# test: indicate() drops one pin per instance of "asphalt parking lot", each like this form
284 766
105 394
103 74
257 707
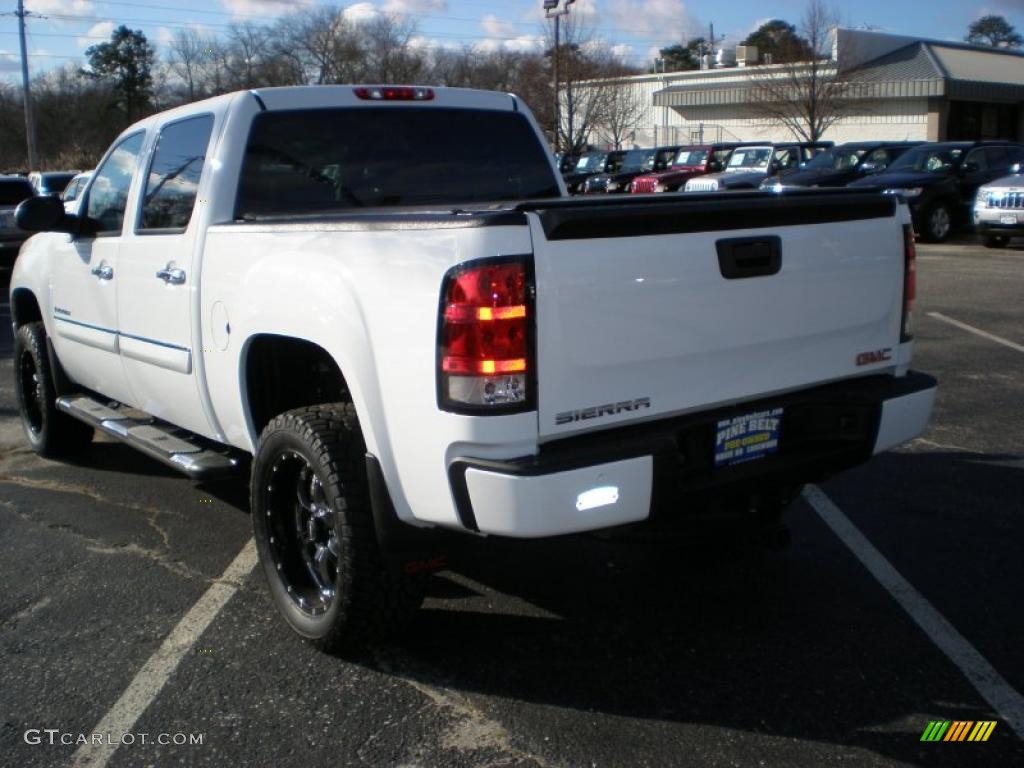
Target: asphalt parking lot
576 652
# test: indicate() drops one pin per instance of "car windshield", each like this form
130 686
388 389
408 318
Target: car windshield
638 160
54 183
928 160
13 191
838 159
692 157
750 159
592 161
339 159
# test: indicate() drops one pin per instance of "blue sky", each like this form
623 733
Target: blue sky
64 28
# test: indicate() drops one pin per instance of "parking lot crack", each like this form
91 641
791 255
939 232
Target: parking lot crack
472 729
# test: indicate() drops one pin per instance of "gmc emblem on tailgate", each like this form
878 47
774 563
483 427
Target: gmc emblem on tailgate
597 411
876 356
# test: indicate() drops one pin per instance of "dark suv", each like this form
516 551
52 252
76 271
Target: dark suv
635 163
939 181
840 165
13 189
589 164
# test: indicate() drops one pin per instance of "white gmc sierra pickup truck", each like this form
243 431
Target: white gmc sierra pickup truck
379 300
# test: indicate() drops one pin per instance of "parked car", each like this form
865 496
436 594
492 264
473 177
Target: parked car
749 166
50 182
375 303
690 161
72 193
591 163
566 162
840 165
940 181
635 163
999 209
13 189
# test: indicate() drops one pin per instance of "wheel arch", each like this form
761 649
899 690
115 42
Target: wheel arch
25 307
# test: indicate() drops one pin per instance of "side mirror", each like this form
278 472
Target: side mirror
869 168
44 214
970 167
1017 168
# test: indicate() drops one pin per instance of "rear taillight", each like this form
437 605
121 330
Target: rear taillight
485 342
909 281
394 93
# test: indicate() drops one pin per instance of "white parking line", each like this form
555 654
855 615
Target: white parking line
1006 701
977 331
144 688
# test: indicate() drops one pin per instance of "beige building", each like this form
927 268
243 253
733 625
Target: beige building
901 88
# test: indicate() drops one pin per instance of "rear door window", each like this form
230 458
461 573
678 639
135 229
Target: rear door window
173 180
343 159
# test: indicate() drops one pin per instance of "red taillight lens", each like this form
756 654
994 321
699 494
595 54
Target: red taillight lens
394 93
484 337
909 282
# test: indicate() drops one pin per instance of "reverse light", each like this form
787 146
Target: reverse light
484 339
394 93
909 281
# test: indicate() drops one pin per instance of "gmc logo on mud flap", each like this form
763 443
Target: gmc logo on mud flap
597 411
877 356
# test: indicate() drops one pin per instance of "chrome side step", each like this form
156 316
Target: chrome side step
174 447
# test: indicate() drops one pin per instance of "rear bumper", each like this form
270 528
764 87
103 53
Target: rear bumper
667 467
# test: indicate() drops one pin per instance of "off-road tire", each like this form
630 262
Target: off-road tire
50 432
370 602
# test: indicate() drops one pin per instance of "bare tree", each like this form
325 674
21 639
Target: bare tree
185 54
809 94
622 115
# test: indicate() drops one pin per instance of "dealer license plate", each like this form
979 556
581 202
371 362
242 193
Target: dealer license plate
748 437
1008 218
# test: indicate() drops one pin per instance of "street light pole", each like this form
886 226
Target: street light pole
30 127
552 11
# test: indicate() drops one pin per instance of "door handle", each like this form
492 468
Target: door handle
103 271
171 275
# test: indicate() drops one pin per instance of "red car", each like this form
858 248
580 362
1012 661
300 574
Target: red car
694 160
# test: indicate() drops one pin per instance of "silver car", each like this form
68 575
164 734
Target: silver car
999 209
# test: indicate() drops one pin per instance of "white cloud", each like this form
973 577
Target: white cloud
76 7
667 19
622 51
164 36
583 12
414 6
360 12
243 8
502 35
9 62
96 34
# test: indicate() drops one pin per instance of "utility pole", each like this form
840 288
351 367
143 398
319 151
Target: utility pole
552 11
30 126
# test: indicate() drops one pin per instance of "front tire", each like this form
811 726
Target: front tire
995 241
50 431
938 223
314 532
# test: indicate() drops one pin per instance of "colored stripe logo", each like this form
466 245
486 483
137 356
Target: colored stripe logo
958 730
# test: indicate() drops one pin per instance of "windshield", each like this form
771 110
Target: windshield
928 160
54 183
750 159
638 160
838 159
692 157
325 160
13 191
593 161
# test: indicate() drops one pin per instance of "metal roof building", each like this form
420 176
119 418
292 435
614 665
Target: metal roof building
896 88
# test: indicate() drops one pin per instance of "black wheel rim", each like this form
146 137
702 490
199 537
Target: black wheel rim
31 392
302 533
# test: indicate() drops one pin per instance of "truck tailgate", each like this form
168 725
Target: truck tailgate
657 308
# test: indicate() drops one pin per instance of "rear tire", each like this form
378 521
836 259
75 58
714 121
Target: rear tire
314 532
50 432
938 223
995 241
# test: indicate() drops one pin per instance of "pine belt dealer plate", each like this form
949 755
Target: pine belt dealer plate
1008 218
748 437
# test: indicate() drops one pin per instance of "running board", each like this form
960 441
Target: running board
174 447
